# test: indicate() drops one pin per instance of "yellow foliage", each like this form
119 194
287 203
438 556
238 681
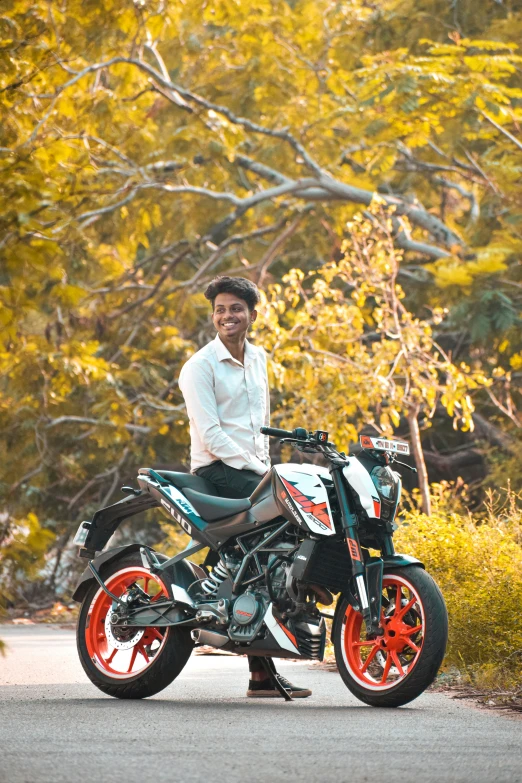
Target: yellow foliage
22 552
176 540
327 371
98 313
477 563
454 271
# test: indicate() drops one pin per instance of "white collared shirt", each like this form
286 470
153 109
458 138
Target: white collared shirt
227 403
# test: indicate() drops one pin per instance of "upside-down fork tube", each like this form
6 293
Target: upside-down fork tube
360 573
374 571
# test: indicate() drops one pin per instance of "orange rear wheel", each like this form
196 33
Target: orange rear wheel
117 651
123 661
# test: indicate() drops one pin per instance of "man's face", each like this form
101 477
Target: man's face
231 316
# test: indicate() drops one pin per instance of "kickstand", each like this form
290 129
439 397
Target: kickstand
273 676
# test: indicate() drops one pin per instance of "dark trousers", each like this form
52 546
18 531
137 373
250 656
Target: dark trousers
232 483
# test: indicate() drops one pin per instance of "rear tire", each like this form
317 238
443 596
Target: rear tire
98 648
394 669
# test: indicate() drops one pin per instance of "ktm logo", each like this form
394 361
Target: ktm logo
318 510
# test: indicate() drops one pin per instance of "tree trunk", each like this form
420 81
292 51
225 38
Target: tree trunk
418 455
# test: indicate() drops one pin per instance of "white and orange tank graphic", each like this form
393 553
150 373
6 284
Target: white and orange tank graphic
305 491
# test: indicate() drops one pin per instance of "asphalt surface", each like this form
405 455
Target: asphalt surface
56 727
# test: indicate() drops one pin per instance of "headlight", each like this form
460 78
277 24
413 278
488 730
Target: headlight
385 482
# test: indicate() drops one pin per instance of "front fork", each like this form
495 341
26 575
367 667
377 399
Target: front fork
367 576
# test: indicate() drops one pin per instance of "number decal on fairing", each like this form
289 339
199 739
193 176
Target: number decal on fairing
172 511
176 503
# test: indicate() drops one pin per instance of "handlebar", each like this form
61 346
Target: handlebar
318 442
274 432
304 440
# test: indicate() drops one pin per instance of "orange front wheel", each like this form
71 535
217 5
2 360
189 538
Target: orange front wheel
392 669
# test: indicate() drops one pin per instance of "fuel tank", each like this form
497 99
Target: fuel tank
299 494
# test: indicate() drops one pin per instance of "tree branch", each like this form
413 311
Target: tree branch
493 434
273 251
415 213
482 173
321 187
467 194
402 238
265 172
84 420
167 84
172 95
506 410
219 251
502 130
451 464
168 269
88 217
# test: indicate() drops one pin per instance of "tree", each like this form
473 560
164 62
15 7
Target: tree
146 146
343 342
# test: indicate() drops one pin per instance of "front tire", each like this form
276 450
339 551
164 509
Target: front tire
396 668
128 663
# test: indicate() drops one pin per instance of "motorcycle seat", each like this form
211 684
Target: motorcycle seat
183 481
211 509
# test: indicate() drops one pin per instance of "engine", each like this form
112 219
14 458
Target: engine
248 611
266 568
264 579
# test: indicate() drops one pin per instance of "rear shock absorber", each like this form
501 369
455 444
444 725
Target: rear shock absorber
215 578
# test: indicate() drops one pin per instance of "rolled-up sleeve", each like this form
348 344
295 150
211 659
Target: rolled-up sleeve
197 386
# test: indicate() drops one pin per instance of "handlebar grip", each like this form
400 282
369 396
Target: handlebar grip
274 432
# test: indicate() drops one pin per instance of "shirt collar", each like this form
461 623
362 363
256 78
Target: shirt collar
223 353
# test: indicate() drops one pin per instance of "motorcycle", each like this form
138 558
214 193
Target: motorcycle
275 560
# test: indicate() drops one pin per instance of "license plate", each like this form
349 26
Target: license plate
384 444
81 536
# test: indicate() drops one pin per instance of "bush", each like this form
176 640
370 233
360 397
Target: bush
23 547
477 562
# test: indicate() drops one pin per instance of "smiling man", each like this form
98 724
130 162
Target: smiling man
225 386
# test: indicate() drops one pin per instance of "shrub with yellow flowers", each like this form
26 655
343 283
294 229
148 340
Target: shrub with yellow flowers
477 562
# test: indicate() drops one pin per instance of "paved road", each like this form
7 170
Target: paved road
55 727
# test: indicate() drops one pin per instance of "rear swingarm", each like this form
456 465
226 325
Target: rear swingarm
152 616
157 615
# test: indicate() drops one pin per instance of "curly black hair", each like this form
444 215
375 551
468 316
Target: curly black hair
242 288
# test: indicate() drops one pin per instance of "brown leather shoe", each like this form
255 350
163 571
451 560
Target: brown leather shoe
263 689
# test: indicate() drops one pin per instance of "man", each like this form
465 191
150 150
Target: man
225 386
